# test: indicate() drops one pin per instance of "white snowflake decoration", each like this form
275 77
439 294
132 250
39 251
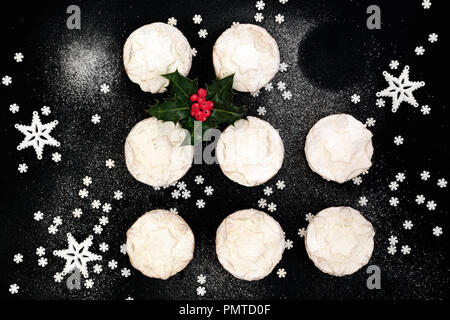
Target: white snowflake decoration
77 255
400 89
37 135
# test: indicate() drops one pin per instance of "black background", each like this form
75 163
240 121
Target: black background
331 55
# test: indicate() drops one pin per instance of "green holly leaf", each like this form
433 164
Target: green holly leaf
171 109
180 86
177 107
221 90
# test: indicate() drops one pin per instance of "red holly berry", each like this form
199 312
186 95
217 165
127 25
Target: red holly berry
206 113
195 107
201 92
200 100
209 104
193 97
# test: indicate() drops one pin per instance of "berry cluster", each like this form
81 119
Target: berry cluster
201 108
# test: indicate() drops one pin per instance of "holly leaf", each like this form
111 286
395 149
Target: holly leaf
171 109
177 107
221 90
180 86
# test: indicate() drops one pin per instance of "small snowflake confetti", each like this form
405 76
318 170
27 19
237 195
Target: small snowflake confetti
260 5
14 108
289 244
392 250
283 67
363 201
356 98
56 157
14 288
268 191
400 177
125 272
201 291
258 17
200 203
431 205
406 249
38 216
393 186
261 111
123 248
268 87
370 122
106 207
280 184
103 247
199 180
279 18
420 199
357 180
96 119
281 86
426 4
181 185
393 240
408 224
425 109
425 175
97 229
176 194
83 193
172 21
52 229
18 258
281 273
110 163
309 217
393 201
201 279
272 207
118 194
112 264
437 231
77 212
209 190
262 203
433 37
6 80
46 110
97 268
287 95
96 204
380 103
419 50
197 19
18 57
301 232
202 33
89 283
442 183
394 64
398 140
104 88
22 168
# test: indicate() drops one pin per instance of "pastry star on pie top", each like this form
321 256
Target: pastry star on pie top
400 89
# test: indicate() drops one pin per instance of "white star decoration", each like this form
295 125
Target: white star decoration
37 135
400 89
77 255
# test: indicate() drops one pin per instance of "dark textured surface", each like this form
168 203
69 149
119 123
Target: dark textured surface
331 55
